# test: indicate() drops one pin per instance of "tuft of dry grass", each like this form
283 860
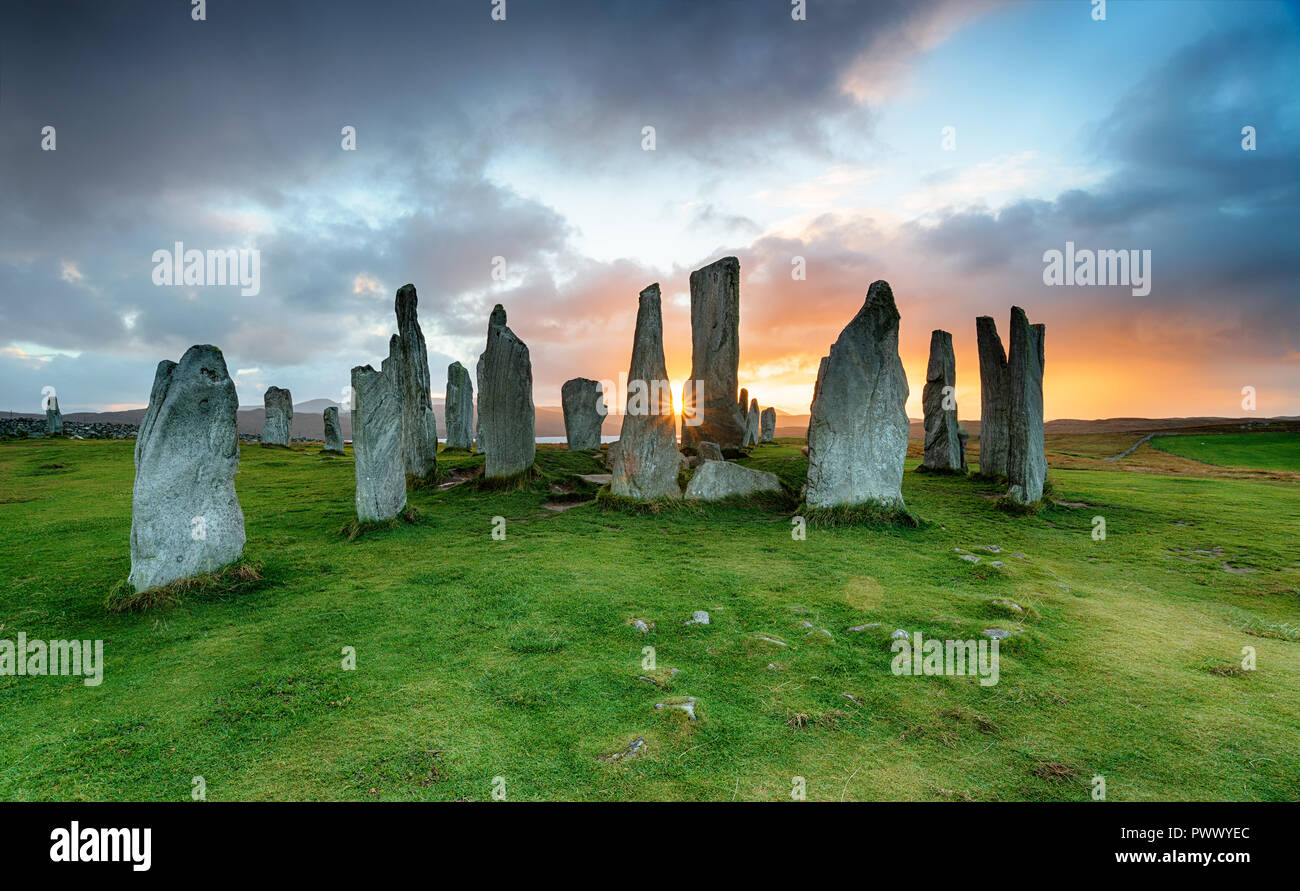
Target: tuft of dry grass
233 579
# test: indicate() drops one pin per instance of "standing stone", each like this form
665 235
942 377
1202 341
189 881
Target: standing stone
185 516
753 420
584 412
709 451
857 435
993 399
963 438
408 359
942 446
647 460
53 417
768 425
459 408
480 442
333 431
276 427
715 357
1026 457
611 455
377 443
506 400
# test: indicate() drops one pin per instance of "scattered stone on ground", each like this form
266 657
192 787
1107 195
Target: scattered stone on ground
715 480
860 628
996 633
687 705
970 557
699 617
632 749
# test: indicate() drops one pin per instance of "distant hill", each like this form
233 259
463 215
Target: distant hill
308 422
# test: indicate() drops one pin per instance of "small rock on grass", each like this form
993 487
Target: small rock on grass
970 557
631 750
996 633
687 705
859 628
699 617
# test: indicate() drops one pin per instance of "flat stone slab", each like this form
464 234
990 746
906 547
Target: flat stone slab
597 479
715 480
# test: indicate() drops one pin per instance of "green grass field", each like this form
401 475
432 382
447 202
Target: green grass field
480 659
1258 451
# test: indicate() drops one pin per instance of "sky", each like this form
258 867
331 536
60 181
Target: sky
941 146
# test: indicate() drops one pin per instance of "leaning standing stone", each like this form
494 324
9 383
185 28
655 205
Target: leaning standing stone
943 449
408 361
53 417
1026 457
185 516
584 412
333 431
377 444
647 460
715 357
507 401
459 408
993 399
278 423
753 420
857 434
768 425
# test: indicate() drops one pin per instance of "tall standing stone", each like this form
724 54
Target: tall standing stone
647 460
333 430
994 394
459 408
506 401
943 448
480 438
715 357
963 438
753 422
857 434
377 443
278 422
1026 457
584 413
185 515
53 417
409 361
768 425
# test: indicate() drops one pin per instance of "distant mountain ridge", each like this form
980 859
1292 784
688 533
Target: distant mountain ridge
308 422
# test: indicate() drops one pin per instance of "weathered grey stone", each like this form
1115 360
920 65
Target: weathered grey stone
994 394
459 408
185 515
611 454
507 401
377 443
480 441
942 445
963 439
857 435
53 417
753 422
584 413
768 425
278 422
715 480
333 431
743 404
1026 457
715 357
647 460
709 451
408 361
